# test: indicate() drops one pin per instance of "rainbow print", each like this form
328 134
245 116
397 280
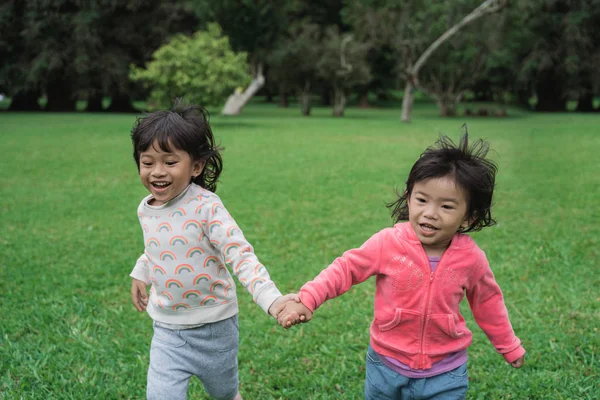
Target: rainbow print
259 269
216 208
191 294
227 289
181 268
148 255
152 242
145 228
140 215
256 282
233 230
164 227
210 260
215 243
194 251
231 248
158 270
245 250
241 265
160 304
167 295
216 285
244 281
167 255
201 277
202 236
214 225
173 283
180 306
191 224
180 212
198 209
188 201
175 240
154 281
221 268
208 300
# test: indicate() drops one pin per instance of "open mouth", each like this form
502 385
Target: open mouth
160 185
428 228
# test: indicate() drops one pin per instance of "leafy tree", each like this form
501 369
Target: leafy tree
343 64
293 61
202 68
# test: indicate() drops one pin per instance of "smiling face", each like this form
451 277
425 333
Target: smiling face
437 208
167 174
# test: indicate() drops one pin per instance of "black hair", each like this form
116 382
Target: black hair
470 170
183 127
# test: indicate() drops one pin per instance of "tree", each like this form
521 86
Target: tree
293 61
411 28
202 68
343 64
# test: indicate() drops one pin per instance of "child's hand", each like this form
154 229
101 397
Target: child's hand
294 313
518 363
139 295
279 304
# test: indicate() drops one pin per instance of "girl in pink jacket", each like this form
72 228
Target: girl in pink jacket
424 268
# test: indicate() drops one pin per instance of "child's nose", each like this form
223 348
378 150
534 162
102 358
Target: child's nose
158 170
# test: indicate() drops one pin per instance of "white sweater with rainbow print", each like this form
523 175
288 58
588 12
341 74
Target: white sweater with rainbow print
189 243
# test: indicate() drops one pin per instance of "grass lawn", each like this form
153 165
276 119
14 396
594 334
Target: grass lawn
304 190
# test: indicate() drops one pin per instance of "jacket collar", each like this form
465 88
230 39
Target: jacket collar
460 241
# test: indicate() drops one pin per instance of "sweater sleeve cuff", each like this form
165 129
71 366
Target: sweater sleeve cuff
140 274
514 354
267 296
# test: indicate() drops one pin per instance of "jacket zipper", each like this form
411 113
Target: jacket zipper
425 311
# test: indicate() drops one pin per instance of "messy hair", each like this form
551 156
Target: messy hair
467 166
183 127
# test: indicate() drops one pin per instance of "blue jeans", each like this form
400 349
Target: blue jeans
384 384
208 352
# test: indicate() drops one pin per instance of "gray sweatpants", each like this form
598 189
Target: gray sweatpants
208 352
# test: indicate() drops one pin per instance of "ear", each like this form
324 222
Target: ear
198 167
466 222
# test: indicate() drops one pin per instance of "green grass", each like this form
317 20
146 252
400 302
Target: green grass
303 190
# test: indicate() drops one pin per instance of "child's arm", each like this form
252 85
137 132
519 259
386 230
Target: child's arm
140 280
490 313
224 234
353 267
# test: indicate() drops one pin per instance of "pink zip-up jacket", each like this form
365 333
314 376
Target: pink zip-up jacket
417 316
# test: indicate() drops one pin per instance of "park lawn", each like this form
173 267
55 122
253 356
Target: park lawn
304 190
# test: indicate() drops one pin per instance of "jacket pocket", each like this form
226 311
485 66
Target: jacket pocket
441 336
402 332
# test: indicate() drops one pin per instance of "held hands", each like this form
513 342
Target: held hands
139 297
293 313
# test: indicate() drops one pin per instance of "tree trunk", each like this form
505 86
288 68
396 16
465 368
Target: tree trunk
60 96
25 101
586 102
283 98
550 94
238 99
407 100
412 72
447 105
339 103
304 96
121 102
94 103
363 99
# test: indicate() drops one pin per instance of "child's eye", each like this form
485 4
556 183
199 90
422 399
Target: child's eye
171 162
420 200
447 207
146 164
